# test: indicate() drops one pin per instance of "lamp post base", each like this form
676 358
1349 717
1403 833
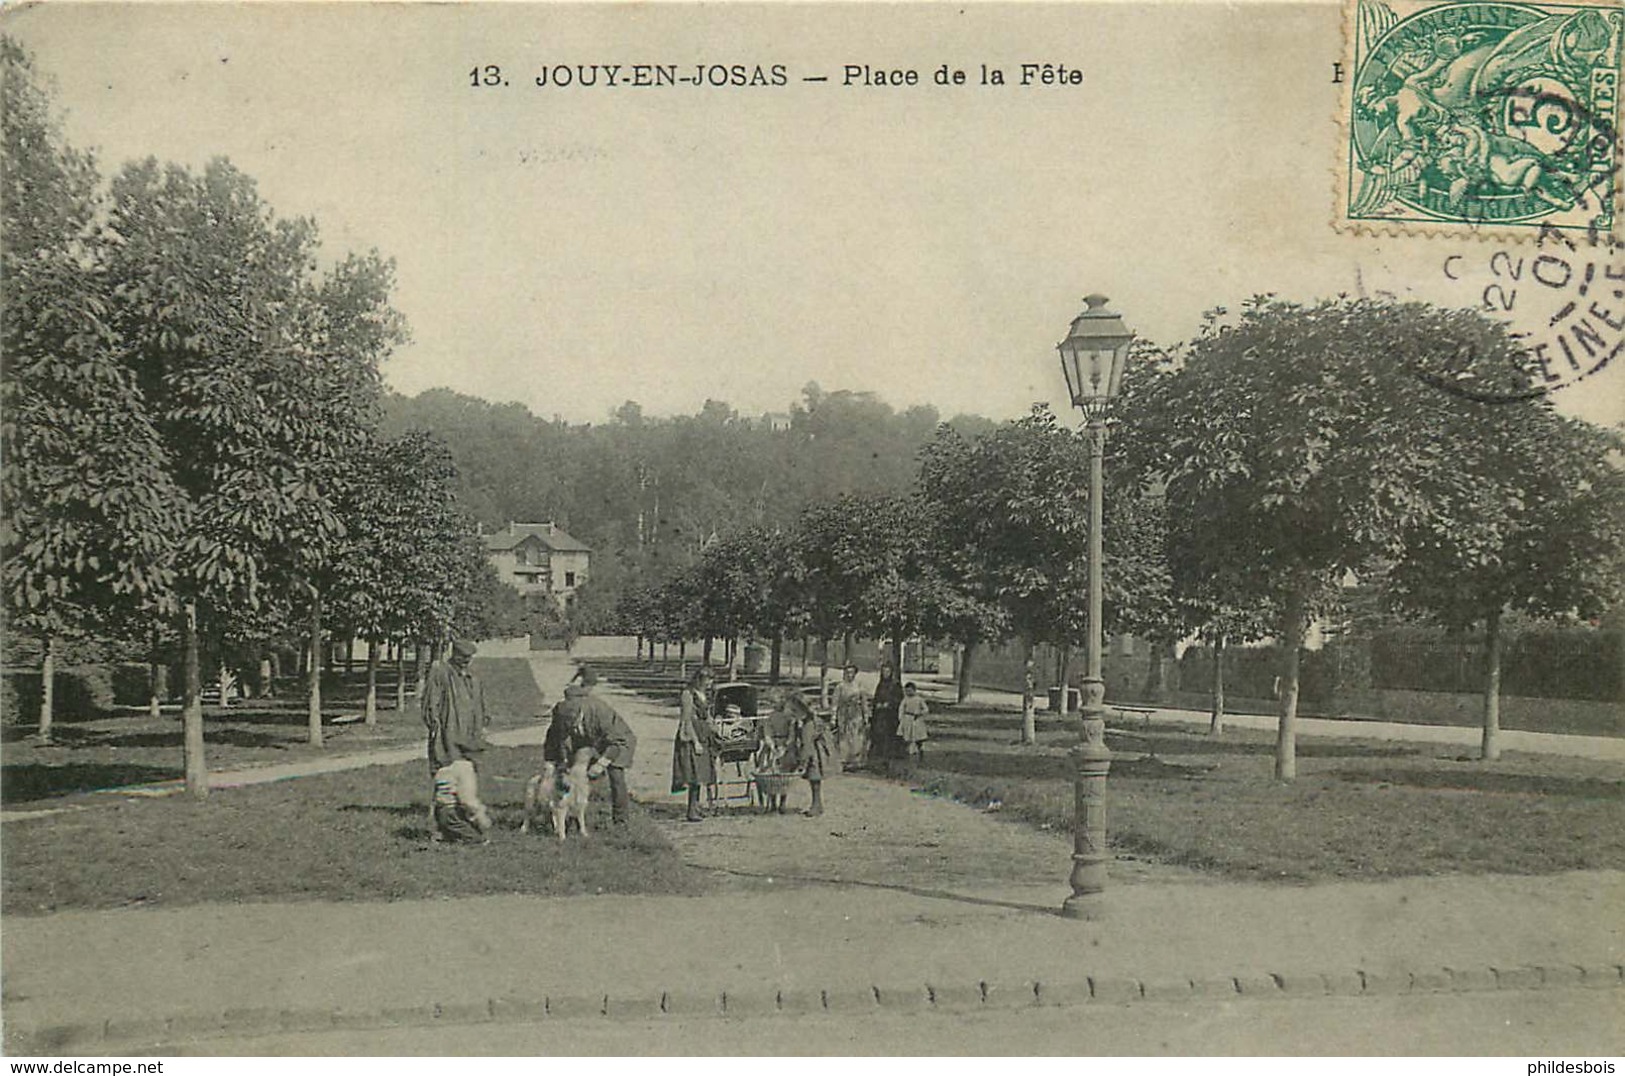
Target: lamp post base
1089 907
1092 760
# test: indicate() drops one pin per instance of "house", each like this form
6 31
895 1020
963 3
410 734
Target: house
539 558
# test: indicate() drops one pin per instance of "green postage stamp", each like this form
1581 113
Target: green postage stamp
1485 117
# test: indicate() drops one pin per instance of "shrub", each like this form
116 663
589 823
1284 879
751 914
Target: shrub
132 683
81 691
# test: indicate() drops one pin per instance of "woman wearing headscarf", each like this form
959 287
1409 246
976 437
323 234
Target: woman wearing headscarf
884 743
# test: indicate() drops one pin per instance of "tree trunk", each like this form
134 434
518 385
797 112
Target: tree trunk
804 655
964 671
846 650
400 676
1216 723
777 654
420 659
155 677
47 693
732 650
1490 749
1156 672
897 653
371 710
705 651
1064 677
1291 638
315 667
1029 730
682 658
823 672
197 770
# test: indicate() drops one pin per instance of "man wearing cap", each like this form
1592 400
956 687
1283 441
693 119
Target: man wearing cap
454 712
582 719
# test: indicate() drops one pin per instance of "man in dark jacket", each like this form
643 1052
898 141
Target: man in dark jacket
582 719
454 712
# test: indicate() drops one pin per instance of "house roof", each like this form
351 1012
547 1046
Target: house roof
548 534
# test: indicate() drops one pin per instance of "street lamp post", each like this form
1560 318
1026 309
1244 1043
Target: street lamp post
1092 358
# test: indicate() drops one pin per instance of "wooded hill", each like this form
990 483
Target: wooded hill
647 492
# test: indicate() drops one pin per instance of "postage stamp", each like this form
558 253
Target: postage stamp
1482 118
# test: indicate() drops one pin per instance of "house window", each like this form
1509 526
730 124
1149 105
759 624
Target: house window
569 579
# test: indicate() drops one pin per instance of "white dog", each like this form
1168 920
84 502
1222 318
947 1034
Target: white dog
566 795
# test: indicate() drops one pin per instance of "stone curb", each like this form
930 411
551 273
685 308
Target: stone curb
943 996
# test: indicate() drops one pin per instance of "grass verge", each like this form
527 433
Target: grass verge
133 748
358 835
1358 809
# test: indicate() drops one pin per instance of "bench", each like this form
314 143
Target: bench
1127 712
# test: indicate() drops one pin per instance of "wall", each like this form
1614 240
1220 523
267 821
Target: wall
1124 667
578 563
609 646
513 647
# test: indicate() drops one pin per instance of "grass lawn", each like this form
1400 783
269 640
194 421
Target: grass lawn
1358 809
358 835
133 748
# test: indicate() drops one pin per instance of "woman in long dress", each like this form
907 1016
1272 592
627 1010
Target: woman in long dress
692 765
851 720
884 743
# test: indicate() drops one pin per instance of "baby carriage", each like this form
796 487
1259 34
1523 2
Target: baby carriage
738 728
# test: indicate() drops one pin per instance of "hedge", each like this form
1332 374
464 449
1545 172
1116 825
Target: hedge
1552 662
80 691
132 683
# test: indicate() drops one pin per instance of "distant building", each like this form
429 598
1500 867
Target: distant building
777 421
539 558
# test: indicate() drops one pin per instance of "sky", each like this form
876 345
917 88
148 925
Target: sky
572 248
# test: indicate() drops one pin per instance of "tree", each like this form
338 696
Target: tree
1301 443
231 343
1537 527
332 385
756 580
90 521
1013 508
831 553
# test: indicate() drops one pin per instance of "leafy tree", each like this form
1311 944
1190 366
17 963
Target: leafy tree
401 517
1536 527
871 565
831 554
1302 443
756 579
1013 508
257 377
89 522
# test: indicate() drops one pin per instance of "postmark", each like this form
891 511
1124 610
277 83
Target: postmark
1484 118
1562 298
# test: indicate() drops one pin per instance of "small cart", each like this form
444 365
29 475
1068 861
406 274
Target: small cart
738 725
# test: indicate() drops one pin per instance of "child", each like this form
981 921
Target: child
911 722
776 753
458 813
812 749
